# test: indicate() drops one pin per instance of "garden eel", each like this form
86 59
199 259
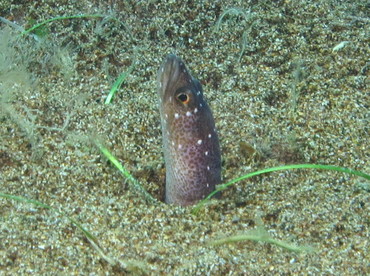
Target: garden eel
190 141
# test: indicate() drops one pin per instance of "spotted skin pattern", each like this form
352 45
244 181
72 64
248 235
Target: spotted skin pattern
190 142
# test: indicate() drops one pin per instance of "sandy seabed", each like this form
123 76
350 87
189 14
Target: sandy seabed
288 83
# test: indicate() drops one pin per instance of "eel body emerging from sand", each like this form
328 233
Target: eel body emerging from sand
190 142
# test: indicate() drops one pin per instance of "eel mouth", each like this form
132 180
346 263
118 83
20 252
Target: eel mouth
169 74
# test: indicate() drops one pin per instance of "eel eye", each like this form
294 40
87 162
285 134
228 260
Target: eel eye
184 98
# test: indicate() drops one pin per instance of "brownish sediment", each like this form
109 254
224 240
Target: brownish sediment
291 97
